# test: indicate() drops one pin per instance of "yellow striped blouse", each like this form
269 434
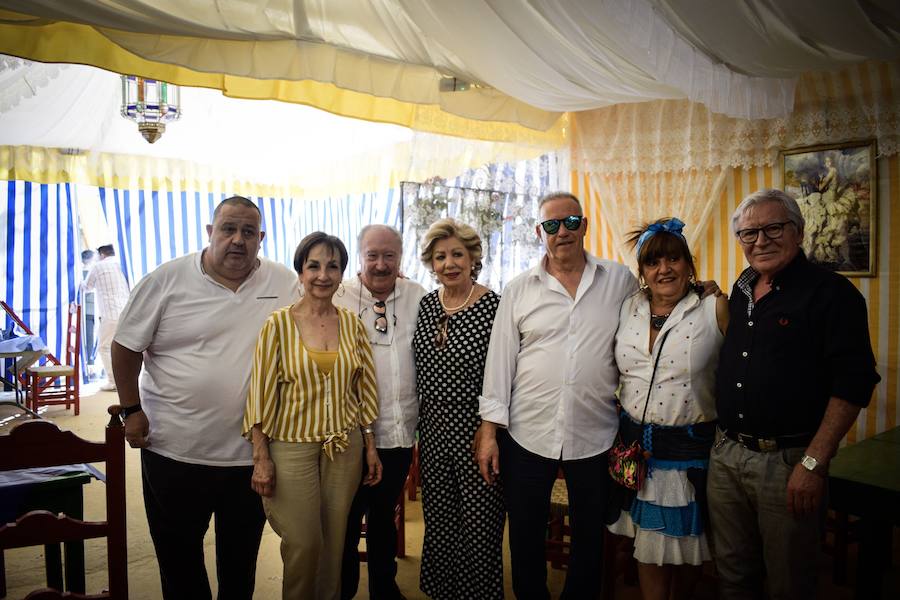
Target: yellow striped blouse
294 401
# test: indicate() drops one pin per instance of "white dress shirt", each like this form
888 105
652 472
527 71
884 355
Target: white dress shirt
395 370
551 374
108 281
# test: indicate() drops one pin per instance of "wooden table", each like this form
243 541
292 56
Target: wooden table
22 359
864 480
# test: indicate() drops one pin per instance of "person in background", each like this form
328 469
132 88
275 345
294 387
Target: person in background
667 349
795 369
387 306
310 410
192 324
462 556
88 258
108 282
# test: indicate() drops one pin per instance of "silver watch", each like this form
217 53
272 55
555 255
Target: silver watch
810 463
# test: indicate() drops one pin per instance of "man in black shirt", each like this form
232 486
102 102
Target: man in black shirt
795 369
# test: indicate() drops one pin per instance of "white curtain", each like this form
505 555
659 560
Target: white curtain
521 62
633 199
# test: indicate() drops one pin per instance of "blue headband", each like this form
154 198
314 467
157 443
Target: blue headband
673 226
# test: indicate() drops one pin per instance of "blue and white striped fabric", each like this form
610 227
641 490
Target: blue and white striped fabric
154 227
345 216
41 253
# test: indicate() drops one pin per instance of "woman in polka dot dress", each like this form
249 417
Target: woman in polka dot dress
671 411
462 556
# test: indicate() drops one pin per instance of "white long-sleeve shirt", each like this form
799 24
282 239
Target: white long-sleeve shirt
551 374
107 279
395 370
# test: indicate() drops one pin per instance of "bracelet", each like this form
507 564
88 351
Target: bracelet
367 429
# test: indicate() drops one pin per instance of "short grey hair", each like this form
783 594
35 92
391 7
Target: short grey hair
554 195
368 228
769 195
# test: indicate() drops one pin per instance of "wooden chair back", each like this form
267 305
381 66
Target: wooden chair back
40 443
55 382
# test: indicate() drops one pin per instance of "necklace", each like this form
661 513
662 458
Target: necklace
657 321
450 309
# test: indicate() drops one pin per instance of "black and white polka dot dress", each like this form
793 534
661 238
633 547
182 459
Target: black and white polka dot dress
462 556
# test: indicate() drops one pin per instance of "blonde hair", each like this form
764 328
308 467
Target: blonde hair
448 228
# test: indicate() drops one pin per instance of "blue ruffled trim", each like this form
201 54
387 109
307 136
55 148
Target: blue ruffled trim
676 521
677 465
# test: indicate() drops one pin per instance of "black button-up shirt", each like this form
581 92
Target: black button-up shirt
786 355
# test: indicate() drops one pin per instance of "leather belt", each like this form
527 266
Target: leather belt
779 442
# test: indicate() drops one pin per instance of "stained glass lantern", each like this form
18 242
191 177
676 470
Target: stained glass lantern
151 104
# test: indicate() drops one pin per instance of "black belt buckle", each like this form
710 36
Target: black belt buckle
757 444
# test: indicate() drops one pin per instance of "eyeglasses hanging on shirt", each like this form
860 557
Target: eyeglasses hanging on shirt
384 334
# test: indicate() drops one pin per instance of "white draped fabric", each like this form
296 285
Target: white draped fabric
527 60
631 199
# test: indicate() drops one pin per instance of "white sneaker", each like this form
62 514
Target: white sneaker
108 387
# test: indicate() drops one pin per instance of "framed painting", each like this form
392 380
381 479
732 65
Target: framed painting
835 188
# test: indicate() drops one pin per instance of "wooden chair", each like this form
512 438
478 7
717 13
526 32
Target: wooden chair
39 443
55 382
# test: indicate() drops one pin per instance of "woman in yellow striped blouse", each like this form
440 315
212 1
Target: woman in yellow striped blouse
311 405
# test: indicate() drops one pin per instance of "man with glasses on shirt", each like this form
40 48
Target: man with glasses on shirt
794 370
388 306
548 399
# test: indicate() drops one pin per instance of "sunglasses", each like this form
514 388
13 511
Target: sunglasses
380 310
572 222
443 330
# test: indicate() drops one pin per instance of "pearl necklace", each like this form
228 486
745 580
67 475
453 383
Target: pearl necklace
455 308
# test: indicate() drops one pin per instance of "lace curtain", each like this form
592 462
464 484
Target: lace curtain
631 199
671 157
677 135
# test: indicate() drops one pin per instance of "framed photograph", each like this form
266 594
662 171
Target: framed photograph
835 188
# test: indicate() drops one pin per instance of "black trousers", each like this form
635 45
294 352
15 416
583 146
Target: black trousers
377 503
527 483
180 498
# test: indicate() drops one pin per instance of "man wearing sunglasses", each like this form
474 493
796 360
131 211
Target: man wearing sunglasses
388 306
548 398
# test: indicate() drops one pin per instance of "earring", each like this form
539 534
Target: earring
341 291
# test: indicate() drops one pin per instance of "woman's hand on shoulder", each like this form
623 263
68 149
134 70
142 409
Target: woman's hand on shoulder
263 479
722 313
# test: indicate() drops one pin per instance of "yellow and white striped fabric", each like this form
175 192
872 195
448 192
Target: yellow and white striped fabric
294 401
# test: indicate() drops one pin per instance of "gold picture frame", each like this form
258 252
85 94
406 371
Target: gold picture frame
835 186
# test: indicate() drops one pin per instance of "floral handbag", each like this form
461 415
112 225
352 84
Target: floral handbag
628 464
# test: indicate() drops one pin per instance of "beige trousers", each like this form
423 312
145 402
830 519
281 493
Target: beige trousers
309 511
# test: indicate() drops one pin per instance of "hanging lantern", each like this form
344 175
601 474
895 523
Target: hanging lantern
151 104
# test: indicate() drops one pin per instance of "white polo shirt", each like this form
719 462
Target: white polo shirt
198 339
551 375
395 369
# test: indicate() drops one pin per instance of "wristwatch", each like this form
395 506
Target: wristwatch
125 411
811 464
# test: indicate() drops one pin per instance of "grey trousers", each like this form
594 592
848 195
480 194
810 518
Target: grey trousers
755 538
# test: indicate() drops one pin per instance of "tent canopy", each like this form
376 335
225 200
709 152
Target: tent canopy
488 69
